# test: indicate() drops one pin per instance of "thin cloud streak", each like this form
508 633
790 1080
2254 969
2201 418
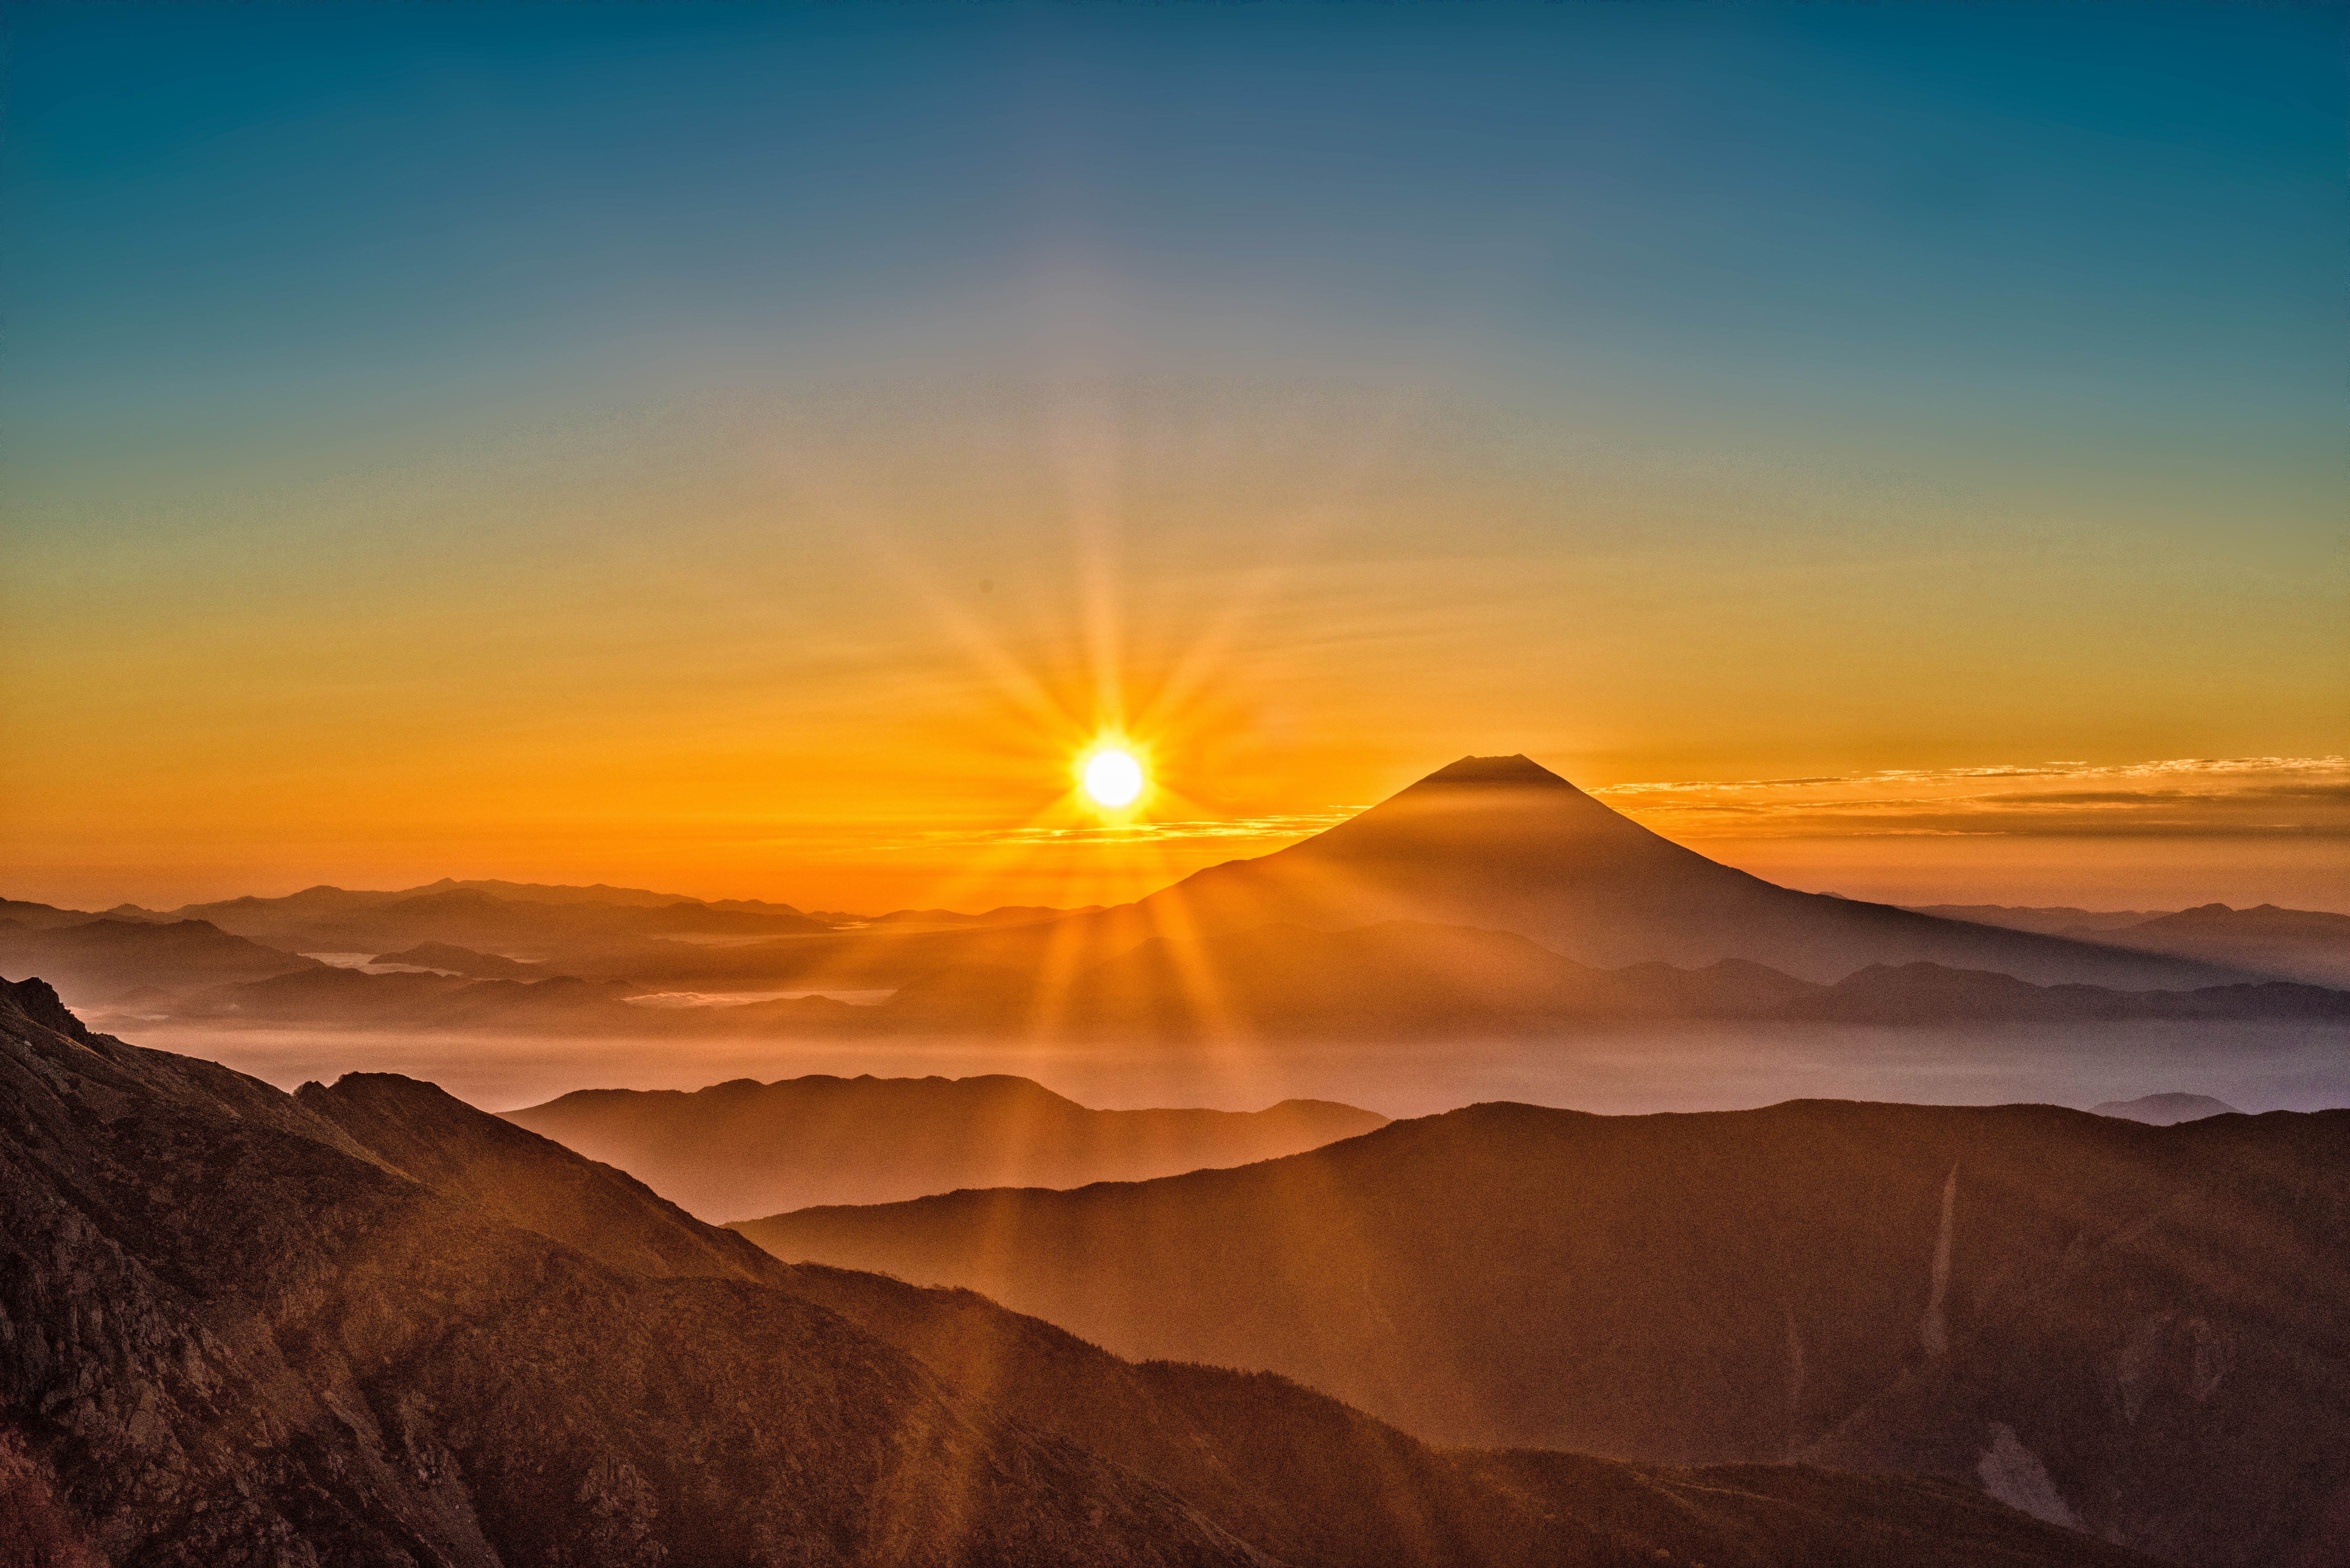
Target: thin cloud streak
2174 797
1298 825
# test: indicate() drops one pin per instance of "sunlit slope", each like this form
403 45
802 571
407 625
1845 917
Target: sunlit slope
1504 844
238 1336
744 1147
2141 1309
1295 1473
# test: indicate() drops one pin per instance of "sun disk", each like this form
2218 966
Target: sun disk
1113 778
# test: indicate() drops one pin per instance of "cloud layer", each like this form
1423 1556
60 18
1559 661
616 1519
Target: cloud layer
2202 798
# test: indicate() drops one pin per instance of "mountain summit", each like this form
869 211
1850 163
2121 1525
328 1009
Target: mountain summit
1504 844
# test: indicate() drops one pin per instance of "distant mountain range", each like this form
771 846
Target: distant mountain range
744 1148
2292 944
102 960
2103 1322
2165 1110
1492 895
368 1326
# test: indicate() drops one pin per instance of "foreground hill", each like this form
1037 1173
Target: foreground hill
239 1335
369 1326
2105 1321
745 1148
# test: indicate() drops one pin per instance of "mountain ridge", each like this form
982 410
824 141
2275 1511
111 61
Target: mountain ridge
1871 1287
369 1325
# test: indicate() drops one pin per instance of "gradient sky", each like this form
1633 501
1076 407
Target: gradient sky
748 448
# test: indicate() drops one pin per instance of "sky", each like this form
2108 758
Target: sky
753 450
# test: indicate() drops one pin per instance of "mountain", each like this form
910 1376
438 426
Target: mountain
41 916
534 921
239 1335
1399 979
2309 945
451 959
1410 979
1926 993
102 959
2107 1322
1504 844
366 1325
745 1148
347 999
2165 1110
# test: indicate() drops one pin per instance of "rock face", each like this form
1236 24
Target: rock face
2096 1320
368 1324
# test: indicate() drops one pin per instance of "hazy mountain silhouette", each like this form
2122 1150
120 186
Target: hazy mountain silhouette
1929 993
2300 944
1401 980
453 959
744 1147
533 923
40 917
2311 945
2165 1110
1503 842
348 998
1407 978
2108 1322
97 962
368 1324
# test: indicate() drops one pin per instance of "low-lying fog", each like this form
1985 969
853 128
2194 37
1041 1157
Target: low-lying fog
1621 1070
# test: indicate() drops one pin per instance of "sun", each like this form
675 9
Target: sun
1113 778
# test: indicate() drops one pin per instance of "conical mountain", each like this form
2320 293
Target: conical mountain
1504 844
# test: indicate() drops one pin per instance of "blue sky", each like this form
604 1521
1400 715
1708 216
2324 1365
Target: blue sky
1965 206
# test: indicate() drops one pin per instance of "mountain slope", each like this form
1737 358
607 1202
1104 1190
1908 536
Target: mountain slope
1504 844
234 1336
743 1147
2138 1309
1292 1471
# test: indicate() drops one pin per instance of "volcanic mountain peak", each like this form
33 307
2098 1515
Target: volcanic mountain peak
1515 769
1504 844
